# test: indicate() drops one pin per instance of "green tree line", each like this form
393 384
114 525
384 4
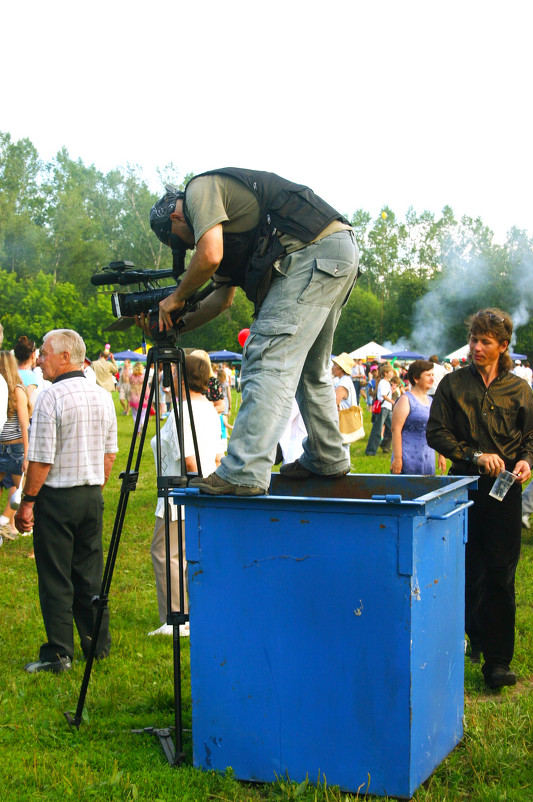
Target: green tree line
62 221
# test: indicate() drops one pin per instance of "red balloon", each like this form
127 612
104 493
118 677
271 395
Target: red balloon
243 336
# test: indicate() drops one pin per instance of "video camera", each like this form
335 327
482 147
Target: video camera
126 305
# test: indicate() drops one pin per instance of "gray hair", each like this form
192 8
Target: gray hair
67 340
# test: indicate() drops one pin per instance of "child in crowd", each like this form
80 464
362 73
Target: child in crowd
397 388
225 388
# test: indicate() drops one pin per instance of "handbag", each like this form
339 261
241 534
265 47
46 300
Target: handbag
351 424
376 407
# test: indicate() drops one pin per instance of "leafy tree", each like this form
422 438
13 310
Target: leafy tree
361 222
75 220
359 322
407 289
383 254
61 222
421 244
134 240
37 305
22 237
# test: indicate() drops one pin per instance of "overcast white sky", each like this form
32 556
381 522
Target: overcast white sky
370 103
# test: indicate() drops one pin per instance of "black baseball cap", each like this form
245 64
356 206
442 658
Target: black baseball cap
160 221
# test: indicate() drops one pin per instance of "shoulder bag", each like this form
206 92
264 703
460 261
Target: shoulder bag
351 424
376 407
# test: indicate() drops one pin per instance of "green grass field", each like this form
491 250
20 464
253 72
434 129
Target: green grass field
42 759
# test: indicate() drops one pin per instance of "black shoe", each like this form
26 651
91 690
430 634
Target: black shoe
294 470
56 666
498 676
474 653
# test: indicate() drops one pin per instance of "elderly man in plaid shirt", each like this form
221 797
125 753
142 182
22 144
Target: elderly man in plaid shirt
73 443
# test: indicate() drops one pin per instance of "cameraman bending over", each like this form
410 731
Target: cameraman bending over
296 258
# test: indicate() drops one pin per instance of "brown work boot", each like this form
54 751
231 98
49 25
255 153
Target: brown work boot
216 486
294 470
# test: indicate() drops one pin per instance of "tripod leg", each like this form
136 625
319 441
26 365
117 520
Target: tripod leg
101 601
175 755
75 721
179 756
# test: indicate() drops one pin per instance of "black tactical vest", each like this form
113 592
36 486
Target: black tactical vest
285 208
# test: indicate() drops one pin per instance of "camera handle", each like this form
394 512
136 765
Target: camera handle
165 357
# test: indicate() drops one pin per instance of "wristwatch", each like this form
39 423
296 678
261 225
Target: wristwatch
28 497
476 456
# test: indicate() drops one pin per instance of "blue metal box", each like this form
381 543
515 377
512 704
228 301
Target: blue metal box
327 629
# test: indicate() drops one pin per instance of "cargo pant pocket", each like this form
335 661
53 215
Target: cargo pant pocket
267 345
327 280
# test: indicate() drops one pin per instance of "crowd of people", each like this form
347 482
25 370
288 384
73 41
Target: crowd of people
409 421
60 445
399 400
296 258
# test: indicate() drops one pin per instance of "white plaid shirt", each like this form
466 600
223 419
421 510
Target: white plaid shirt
74 424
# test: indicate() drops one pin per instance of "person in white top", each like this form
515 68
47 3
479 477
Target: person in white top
358 377
519 369
4 392
292 438
344 390
528 373
345 394
439 371
207 427
88 371
381 434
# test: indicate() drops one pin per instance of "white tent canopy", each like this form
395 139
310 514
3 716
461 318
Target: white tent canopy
461 353
371 349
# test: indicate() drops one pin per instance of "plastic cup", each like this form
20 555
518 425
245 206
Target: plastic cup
503 482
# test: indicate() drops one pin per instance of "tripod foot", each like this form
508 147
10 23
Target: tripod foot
164 736
72 720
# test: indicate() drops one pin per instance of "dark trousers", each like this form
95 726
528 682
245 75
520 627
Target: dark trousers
383 419
67 537
492 553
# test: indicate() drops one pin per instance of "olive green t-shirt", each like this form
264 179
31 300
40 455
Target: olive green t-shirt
215 199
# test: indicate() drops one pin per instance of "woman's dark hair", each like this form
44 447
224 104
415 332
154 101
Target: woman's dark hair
198 373
23 349
498 324
417 368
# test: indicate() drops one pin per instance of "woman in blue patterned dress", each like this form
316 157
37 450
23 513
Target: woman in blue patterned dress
410 451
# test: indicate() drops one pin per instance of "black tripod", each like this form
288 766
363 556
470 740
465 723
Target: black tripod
167 358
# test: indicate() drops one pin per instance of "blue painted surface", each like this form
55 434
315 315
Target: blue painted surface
327 632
